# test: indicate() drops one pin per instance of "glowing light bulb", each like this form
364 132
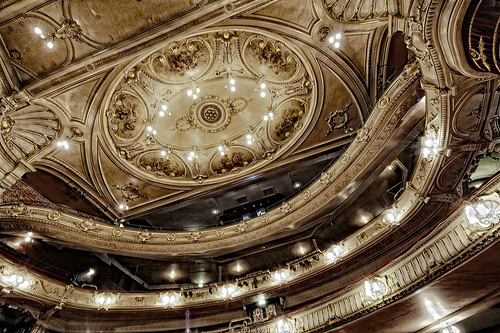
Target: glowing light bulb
190 92
154 132
222 153
163 153
220 148
337 45
30 234
190 158
91 271
164 107
262 85
266 118
232 81
149 128
50 45
249 142
331 39
262 94
27 239
161 113
233 88
249 137
198 90
38 31
338 35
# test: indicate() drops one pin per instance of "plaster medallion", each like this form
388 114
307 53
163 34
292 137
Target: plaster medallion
209 108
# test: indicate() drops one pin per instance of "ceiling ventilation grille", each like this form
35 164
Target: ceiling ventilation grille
269 191
242 200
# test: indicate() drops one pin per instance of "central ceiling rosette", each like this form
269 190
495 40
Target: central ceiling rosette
210 107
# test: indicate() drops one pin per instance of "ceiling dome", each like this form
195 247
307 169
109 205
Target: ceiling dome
210 107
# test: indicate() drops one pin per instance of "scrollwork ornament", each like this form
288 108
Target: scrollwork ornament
306 195
383 102
171 237
285 208
219 232
17 210
325 178
54 215
144 236
87 226
242 227
264 218
484 212
117 232
195 236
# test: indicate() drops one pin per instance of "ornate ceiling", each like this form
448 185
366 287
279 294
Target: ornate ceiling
255 159
208 107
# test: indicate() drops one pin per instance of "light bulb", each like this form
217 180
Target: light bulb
164 107
190 158
262 94
163 153
30 234
249 142
222 153
190 92
233 88
161 113
249 137
331 39
338 35
232 81
91 271
266 118
50 45
38 31
262 85
337 45
220 148
149 128
154 132
198 90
